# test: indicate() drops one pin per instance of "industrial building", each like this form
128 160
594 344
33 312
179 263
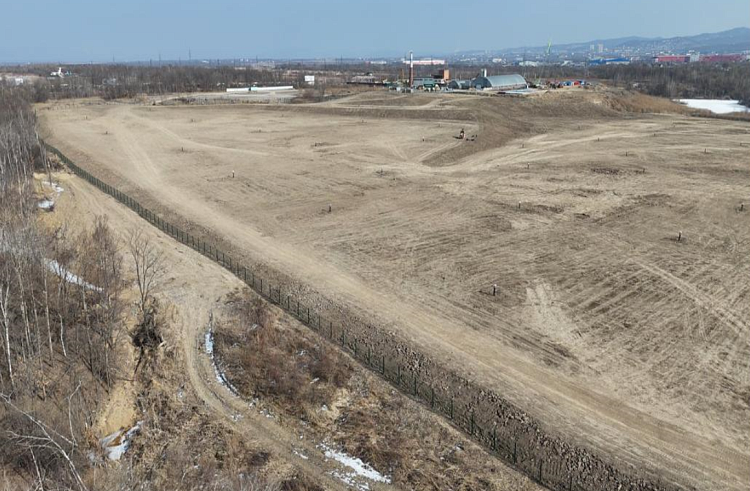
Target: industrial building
609 61
459 84
500 82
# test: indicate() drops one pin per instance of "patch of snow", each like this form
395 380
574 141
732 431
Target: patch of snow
716 106
116 444
55 186
210 343
69 277
46 204
300 454
350 481
220 375
358 468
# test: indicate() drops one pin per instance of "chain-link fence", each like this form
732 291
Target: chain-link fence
519 442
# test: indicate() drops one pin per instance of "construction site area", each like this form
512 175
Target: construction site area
580 254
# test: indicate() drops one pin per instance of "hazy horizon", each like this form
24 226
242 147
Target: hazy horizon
80 31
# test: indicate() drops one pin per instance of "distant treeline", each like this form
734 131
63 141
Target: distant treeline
694 80
120 81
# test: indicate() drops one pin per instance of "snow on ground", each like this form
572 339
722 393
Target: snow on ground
116 444
716 106
359 470
220 376
69 277
46 204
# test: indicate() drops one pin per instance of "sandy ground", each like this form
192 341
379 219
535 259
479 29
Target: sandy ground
188 313
606 328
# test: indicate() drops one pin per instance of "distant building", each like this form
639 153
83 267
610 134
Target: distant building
425 83
310 79
368 79
425 62
609 61
672 59
499 82
459 84
733 58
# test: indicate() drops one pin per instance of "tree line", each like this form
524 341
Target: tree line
60 317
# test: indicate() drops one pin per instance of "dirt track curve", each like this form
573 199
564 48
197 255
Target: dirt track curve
185 172
192 306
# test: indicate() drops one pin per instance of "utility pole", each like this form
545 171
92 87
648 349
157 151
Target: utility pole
411 68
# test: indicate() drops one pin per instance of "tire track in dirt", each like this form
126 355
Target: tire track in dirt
190 268
702 299
635 433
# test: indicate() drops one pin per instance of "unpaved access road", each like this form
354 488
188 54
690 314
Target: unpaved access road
192 306
606 329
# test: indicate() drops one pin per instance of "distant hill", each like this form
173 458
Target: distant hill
731 41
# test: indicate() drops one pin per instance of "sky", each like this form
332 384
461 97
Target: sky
130 30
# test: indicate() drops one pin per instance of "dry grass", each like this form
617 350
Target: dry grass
268 361
285 368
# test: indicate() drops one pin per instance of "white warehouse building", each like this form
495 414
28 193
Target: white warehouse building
500 82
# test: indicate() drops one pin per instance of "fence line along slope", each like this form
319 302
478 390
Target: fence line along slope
601 314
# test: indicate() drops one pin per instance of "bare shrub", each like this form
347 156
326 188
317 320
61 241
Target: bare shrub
148 263
264 359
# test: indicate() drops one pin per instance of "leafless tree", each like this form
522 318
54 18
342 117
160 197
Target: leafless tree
45 438
149 265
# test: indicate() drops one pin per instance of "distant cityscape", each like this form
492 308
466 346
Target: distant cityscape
729 46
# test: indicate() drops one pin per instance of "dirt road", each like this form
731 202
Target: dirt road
192 306
606 329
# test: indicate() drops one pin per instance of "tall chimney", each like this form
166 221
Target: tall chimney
411 69
484 72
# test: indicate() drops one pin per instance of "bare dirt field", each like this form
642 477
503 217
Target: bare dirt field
195 415
605 328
